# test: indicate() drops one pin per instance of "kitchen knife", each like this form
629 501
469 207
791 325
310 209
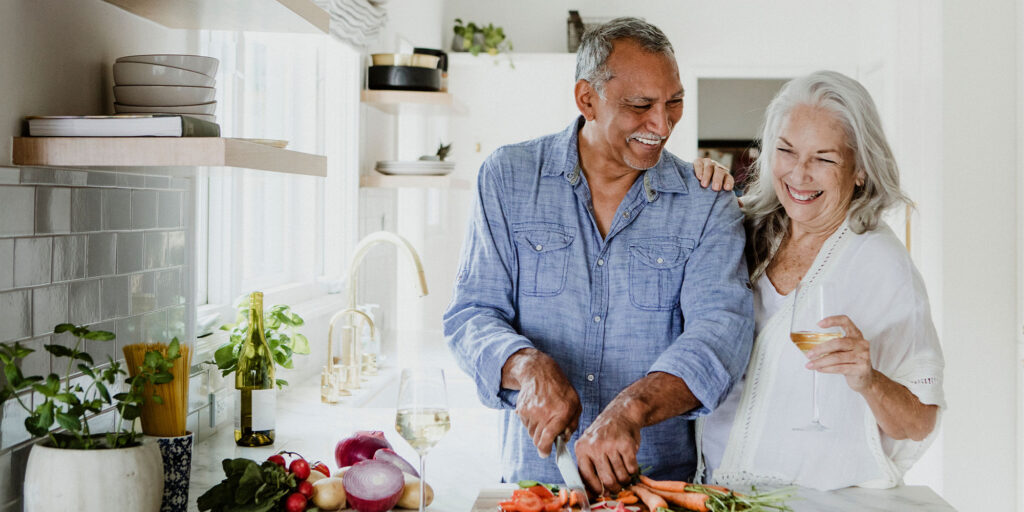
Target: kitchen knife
570 473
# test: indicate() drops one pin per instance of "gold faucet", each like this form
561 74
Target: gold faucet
341 373
342 384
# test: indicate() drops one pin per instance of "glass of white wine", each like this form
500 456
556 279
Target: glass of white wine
812 304
422 413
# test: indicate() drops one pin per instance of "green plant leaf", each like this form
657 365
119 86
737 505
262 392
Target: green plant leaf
69 422
99 335
62 328
102 390
156 399
281 383
225 356
13 374
59 350
87 370
84 356
130 412
300 344
174 349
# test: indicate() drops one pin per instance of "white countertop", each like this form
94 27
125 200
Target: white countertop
465 461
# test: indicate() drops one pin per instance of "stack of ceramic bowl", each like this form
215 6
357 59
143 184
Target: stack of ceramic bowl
166 84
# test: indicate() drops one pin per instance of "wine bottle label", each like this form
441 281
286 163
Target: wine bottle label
264 402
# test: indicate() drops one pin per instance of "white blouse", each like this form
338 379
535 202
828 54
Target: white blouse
749 439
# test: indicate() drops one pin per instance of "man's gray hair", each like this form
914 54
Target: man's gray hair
852 106
596 45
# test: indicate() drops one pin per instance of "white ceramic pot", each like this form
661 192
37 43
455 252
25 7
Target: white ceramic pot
125 479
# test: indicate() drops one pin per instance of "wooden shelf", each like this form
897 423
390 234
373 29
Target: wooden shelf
389 101
243 15
377 180
113 152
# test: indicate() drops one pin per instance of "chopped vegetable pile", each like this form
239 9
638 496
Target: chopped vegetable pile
648 495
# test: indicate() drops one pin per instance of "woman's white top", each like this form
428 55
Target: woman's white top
749 439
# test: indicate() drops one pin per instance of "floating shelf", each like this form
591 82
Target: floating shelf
113 152
377 180
243 15
389 101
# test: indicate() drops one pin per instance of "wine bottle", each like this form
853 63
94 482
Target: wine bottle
254 380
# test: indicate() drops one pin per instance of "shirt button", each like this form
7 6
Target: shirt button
597 318
539 247
661 260
600 262
625 215
590 377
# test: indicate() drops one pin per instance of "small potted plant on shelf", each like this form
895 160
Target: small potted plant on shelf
281 330
473 38
97 470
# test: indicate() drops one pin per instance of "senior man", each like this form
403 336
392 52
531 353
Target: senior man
601 291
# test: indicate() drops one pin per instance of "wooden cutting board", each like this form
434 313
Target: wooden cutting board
487 500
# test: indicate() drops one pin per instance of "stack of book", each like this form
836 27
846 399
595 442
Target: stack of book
124 125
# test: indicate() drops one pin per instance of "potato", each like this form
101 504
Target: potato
315 476
329 494
411 493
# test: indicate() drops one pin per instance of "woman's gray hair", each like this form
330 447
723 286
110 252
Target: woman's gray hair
767 222
596 45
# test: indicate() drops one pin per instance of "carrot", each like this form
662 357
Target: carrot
688 500
664 485
652 501
629 499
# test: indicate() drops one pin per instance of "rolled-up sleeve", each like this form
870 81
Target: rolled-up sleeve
478 322
717 307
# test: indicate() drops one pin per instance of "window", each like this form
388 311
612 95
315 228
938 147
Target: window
265 231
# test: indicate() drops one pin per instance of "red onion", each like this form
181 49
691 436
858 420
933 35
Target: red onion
359 447
389 455
373 486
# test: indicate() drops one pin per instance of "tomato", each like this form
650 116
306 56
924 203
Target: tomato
305 488
527 501
541 492
296 502
299 468
277 459
552 505
321 467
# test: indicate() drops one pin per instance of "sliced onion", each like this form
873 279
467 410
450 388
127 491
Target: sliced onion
389 455
373 486
359 447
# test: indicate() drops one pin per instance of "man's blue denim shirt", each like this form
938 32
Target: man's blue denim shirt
665 291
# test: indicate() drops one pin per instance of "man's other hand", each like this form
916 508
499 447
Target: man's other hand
711 172
606 452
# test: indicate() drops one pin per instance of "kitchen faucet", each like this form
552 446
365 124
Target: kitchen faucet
340 374
350 344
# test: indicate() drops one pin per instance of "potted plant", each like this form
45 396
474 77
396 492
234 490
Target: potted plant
280 326
132 474
473 38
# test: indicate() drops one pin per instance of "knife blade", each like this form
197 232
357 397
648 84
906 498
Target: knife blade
570 472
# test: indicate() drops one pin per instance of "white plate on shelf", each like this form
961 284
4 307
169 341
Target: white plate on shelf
415 168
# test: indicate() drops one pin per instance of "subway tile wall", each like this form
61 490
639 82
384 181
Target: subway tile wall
104 249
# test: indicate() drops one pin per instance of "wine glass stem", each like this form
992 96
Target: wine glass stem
423 482
814 395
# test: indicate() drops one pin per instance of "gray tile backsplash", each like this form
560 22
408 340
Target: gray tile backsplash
18 207
84 300
49 308
15 314
97 248
86 210
6 263
69 257
144 209
130 252
100 254
53 210
117 209
32 257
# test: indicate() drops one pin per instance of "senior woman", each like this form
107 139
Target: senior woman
822 181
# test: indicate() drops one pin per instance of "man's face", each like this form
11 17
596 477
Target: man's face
642 102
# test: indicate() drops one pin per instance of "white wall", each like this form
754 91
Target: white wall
980 263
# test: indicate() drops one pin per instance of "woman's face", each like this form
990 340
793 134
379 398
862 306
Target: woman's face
813 169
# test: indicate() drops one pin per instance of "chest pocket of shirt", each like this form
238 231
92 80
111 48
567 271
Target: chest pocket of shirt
543 251
656 271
